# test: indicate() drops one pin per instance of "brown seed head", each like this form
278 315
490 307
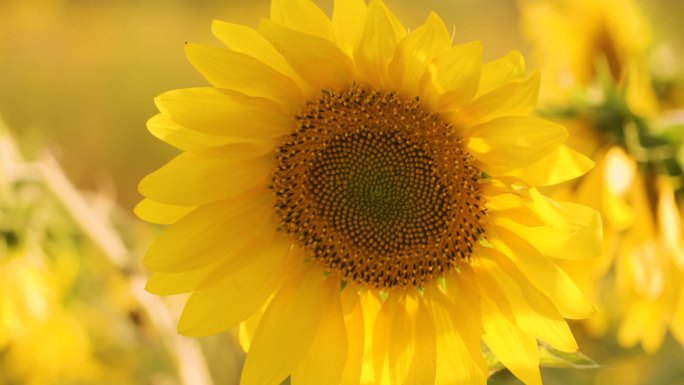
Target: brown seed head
378 190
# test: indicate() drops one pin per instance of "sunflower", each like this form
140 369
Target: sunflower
575 40
362 201
650 268
40 342
636 281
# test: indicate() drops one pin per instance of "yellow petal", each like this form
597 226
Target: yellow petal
573 240
370 306
501 71
462 290
655 330
190 180
516 349
567 164
355 336
401 348
160 213
288 327
670 221
516 98
572 231
534 312
452 77
241 150
165 128
348 19
643 322
381 337
231 70
318 61
375 48
424 363
502 202
246 40
326 358
226 113
512 142
455 362
543 274
210 233
248 327
303 16
415 51
177 283
223 301
639 91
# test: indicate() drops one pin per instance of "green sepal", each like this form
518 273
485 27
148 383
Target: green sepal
548 358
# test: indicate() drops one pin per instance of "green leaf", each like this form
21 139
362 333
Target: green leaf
493 363
674 132
548 358
552 358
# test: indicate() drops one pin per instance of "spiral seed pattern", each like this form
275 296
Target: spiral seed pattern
378 190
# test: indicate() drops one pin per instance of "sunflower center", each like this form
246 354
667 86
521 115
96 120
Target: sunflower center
378 190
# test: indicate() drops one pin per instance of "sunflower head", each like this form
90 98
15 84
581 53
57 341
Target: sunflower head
347 182
378 189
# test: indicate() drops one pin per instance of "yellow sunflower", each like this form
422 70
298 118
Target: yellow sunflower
643 247
362 201
40 342
636 282
650 267
574 39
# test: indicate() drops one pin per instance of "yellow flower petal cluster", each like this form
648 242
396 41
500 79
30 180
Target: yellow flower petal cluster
642 259
575 39
40 343
363 201
643 249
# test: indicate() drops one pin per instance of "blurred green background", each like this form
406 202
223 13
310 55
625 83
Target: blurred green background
78 78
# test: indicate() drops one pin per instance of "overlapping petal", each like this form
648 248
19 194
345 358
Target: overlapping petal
444 89
303 16
415 51
287 328
318 61
208 234
508 143
375 48
231 70
230 294
512 99
191 180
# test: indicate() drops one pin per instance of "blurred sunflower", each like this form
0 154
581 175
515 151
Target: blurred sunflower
650 268
347 183
598 55
572 39
40 343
